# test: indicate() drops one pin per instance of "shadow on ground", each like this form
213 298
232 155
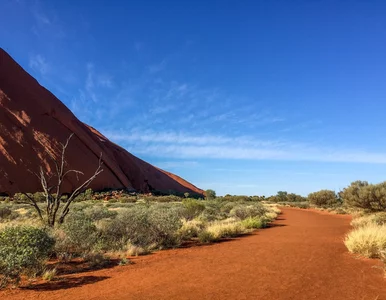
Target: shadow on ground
78 266
65 283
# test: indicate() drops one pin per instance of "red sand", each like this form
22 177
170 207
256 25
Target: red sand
33 122
302 257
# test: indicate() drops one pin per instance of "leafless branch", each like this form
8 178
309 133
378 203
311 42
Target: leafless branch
54 201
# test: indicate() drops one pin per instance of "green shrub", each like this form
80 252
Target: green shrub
323 198
97 213
238 198
5 213
302 205
128 199
164 224
192 208
361 194
190 229
210 194
154 227
212 214
295 198
23 250
227 207
78 235
283 197
246 211
206 237
254 223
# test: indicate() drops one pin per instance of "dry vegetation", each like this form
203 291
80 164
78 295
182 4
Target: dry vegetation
96 231
116 225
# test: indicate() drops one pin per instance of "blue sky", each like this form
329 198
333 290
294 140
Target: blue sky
244 97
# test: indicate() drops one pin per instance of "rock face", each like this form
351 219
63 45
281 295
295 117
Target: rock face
33 123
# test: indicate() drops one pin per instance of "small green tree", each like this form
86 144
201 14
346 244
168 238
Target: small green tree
282 196
363 195
210 194
295 198
323 198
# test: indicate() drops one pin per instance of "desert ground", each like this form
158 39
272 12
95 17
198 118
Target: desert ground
301 256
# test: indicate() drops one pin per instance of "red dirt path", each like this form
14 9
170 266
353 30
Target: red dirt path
302 257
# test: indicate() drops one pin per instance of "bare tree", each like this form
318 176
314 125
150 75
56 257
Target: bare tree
52 188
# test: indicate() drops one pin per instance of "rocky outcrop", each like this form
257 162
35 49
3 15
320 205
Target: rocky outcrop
33 123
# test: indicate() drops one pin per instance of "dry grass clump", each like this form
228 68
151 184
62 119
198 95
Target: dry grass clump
377 218
270 216
206 237
49 275
134 250
190 229
222 229
254 223
368 241
22 222
275 209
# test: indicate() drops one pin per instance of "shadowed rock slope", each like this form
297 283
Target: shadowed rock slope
33 123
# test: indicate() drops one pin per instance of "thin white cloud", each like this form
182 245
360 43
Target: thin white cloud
177 164
185 146
170 137
89 84
249 153
38 63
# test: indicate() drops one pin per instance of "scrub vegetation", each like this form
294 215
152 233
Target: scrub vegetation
98 231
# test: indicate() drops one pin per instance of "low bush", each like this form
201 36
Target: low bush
190 229
78 235
164 224
302 205
368 241
254 223
225 229
323 198
154 227
23 251
210 194
247 211
361 194
270 216
376 218
214 211
5 213
206 237
283 196
192 208
97 213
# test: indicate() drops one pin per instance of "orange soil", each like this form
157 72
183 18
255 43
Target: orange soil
302 257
